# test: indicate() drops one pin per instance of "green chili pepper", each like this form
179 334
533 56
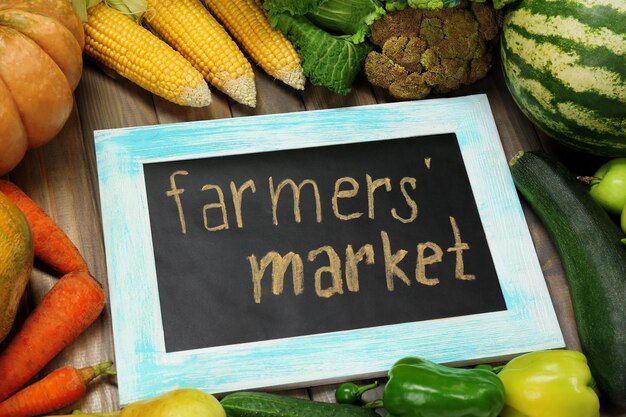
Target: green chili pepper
350 393
421 388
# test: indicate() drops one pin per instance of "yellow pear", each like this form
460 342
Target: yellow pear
182 402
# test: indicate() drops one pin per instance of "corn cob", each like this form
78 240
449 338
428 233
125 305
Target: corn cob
189 27
134 52
246 21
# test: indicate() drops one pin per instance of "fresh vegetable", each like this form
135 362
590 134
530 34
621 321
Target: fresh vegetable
13 139
262 404
16 261
187 402
608 185
71 305
420 388
329 35
52 245
564 66
56 9
60 388
246 21
40 65
120 43
623 221
52 37
432 51
556 383
327 60
349 18
588 242
191 30
350 393
181 402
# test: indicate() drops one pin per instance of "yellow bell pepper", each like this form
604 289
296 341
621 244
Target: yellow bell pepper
551 383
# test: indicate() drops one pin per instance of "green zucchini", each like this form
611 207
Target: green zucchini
588 242
263 404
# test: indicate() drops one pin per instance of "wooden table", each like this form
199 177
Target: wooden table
61 176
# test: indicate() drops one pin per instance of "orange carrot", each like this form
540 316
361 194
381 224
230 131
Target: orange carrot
52 245
71 305
58 389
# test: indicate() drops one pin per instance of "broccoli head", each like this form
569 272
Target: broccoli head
424 51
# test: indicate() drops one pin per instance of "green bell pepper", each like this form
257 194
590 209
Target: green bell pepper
420 388
553 383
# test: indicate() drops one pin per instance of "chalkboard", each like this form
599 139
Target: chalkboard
406 205
408 239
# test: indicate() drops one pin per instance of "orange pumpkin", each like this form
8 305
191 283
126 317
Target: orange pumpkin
41 43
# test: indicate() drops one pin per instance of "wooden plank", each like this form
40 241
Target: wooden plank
106 102
316 97
168 112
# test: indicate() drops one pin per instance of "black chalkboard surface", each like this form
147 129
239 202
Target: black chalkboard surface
295 242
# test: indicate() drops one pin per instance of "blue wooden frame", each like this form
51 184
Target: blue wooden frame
145 369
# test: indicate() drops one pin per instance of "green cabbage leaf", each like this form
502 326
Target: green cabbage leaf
347 17
293 7
328 60
339 17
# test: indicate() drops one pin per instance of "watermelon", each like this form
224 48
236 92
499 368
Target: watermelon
564 62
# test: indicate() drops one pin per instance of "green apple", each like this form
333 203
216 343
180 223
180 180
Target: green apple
608 187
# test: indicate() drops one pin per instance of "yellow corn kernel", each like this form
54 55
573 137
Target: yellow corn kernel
246 20
135 53
189 27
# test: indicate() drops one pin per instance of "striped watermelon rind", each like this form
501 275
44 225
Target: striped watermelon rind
564 62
